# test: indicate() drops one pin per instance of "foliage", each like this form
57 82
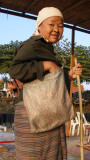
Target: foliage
62 50
4 80
63 53
83 55
6 55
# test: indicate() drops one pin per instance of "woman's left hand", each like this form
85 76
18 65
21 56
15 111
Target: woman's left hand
77 70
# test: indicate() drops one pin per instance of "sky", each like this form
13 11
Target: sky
18 28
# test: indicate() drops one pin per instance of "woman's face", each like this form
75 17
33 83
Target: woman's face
51 29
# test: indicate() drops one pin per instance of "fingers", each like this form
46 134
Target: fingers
78 69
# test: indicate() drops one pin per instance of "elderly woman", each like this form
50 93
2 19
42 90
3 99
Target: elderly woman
33 59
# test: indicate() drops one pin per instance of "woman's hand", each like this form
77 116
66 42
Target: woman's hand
77 70
50 66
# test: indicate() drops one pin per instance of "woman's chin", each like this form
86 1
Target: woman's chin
53 41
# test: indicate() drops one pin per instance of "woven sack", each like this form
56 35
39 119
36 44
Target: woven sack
47 102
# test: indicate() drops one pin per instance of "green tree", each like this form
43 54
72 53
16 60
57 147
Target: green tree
63 52
82 53
6 55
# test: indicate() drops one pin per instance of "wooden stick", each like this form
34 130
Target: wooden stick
81 115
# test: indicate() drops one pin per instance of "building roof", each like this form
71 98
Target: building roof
75 89
75 12
14 85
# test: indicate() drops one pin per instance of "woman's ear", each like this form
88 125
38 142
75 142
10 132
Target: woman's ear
39 28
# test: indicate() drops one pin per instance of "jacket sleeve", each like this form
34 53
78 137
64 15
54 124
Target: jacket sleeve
25 68
26 71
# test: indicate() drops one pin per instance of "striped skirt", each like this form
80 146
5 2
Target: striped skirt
50 145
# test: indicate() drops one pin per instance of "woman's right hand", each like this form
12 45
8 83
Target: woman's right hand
50 66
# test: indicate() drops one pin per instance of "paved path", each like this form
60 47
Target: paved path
73 147
73 150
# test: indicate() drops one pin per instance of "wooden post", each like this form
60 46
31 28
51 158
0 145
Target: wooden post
72 59
71 66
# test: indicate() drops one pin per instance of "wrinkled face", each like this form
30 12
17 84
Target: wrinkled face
51 29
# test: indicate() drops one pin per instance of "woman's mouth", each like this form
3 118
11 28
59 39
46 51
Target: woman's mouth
54 36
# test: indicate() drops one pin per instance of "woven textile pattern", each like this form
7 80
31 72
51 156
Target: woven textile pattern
47 102
41 146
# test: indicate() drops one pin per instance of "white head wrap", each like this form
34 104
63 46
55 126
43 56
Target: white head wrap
44 14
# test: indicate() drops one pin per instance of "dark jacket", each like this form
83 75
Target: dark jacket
27 64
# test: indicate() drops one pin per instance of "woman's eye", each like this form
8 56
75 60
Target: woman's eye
60 26
51 24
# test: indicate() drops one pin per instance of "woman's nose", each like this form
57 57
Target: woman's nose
56 29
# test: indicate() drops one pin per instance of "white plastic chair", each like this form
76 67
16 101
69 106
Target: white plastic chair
85 122
74 124
78 120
